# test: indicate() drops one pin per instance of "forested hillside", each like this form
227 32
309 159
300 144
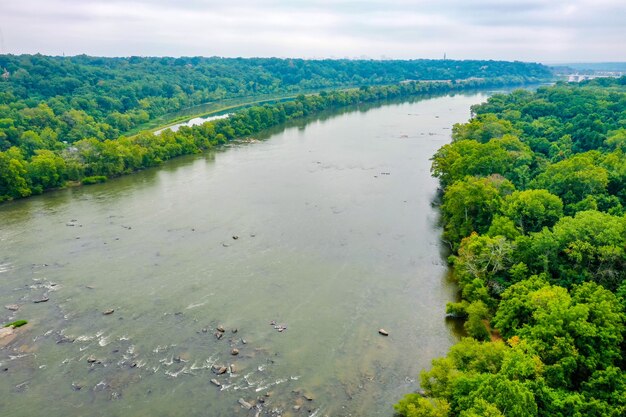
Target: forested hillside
534 197
83 97
63 119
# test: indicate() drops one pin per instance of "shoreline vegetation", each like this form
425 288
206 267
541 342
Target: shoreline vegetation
533 208
44 149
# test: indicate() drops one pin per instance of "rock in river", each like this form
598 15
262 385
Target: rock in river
244 404
107 312
216 382
219 369
6 331
92 359
383 332
12 307
234 352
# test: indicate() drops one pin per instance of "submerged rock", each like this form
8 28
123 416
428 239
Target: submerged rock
65 339
6 331
216 382
12 307
219 369
245 404
93 359
43 299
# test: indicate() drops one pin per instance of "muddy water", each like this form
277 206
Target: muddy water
336 238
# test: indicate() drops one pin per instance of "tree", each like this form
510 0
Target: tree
414 405
506 156
13 178
469 205
574 333
46 170
483 128
482 263
573 179
532 210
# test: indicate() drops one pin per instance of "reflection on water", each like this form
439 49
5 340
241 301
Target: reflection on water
256 275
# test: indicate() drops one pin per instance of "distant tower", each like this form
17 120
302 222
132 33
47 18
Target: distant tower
444 56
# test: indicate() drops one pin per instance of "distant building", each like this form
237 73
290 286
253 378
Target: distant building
5 75
576 78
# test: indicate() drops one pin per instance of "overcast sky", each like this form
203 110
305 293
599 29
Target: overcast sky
532 30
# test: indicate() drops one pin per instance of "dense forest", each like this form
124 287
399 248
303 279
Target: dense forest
90 97
63 119
533 207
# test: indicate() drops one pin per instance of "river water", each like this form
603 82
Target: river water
336 237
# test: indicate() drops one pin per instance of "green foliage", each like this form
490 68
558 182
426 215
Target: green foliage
484 258
497 392
532 210
414 405
506 156
477 315
13 175
588 246
483 129
574 333
573 179
469 205
95 179
481 408
17 323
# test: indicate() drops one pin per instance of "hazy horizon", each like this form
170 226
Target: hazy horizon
551 32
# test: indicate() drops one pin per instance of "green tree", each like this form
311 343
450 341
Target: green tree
469 205
46 170
532 210
483 128
13 176
573 179
414 405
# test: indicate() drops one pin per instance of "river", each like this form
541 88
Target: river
325 228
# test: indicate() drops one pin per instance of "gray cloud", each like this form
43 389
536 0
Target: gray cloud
533 30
